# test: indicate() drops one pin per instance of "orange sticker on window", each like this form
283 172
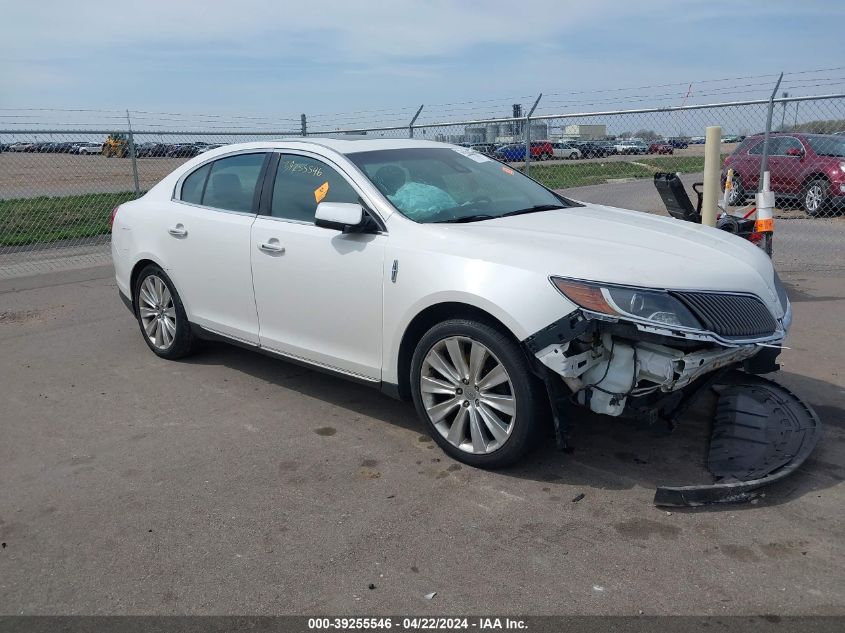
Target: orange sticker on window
321 191
507 170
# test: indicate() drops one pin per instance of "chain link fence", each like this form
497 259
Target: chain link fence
58 186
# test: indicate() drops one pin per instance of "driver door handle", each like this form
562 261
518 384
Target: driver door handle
272 247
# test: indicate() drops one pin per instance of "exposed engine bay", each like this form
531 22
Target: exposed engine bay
603 370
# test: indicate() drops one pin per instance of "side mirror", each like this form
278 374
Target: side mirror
341 216
794 151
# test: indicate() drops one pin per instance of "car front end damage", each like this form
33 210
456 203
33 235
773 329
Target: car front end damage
648 354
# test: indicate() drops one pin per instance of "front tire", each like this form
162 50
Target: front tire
815 197
473 387
161 315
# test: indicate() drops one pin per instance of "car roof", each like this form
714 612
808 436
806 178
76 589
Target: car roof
355 145
321 144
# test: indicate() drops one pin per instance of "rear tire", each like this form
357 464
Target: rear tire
161 315
473 387
816 197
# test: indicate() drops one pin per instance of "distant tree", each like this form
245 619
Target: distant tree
647 135
818 127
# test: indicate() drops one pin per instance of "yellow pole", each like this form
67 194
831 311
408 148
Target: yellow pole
712 170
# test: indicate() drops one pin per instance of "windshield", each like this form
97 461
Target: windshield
827 145
433 184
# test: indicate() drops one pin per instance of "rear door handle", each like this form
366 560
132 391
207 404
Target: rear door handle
178 231
272 247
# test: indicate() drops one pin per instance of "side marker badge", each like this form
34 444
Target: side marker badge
394 271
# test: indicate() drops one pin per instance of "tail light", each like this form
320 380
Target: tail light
113 216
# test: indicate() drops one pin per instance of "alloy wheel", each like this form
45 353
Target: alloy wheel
157 312
468 395
813 199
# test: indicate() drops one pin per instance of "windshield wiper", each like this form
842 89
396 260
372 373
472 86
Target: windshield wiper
468 218
535 209
486 216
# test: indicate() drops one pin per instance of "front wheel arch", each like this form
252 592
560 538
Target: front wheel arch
424 321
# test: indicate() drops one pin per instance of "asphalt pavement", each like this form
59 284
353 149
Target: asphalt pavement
233 483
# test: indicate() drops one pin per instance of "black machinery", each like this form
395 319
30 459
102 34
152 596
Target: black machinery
679 206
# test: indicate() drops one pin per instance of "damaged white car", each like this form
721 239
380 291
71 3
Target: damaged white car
447 278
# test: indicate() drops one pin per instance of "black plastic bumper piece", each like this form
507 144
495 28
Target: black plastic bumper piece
761 434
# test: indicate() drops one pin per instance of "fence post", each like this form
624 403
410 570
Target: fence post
527 169
414 120
710 199
304 124
764 163
133 156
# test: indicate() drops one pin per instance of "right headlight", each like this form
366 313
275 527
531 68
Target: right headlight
641 304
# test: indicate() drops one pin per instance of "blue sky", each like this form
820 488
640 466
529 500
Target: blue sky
330 56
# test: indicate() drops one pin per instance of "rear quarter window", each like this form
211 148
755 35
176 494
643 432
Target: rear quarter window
194 184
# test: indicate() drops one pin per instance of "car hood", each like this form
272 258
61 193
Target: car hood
601 243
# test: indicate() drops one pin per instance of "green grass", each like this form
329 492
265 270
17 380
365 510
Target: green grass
48 219
681 164
580 174
576 174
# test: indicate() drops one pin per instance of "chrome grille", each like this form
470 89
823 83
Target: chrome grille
730 315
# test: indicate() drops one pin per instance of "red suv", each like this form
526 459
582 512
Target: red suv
807 167
542 150
661 147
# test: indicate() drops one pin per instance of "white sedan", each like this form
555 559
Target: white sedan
440 276
89 148
565 150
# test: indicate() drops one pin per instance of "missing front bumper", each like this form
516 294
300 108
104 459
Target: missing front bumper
762 433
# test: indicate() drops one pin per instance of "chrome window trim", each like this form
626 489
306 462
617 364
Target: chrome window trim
218 210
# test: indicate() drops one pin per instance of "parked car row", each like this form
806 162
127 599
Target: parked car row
172 150
39 147
571 149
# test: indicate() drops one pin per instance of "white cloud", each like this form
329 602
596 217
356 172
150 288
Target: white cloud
332 55
364 31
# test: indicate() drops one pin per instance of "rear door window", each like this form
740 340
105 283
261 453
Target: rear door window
232 181
228 183
788 143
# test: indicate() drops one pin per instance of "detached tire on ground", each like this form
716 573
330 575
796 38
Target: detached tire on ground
473 387
161 315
